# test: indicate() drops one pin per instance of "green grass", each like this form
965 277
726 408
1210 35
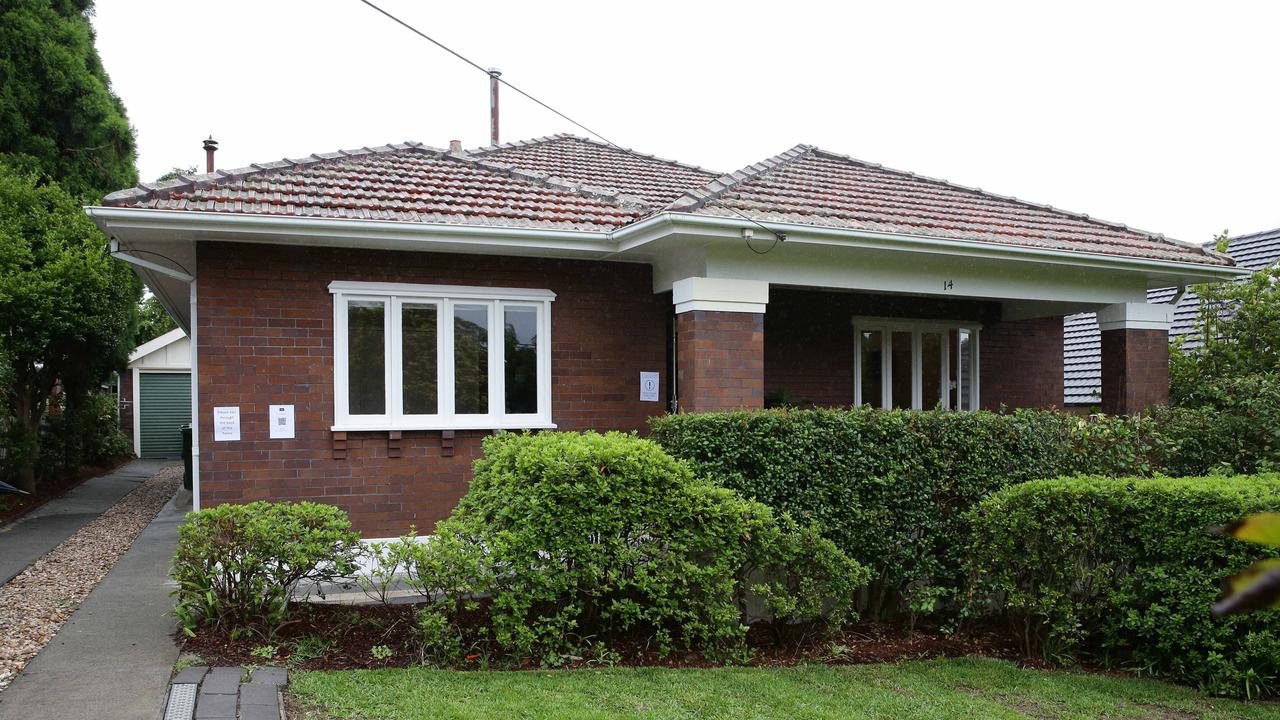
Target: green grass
944 689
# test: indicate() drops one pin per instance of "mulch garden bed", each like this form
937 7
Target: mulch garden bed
342 637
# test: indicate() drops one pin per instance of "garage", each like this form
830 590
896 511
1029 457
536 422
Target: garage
155 395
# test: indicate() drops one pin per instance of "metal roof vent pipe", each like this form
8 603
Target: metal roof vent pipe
494 74
210 147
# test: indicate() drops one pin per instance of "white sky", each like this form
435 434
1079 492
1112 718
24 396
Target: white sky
1162 115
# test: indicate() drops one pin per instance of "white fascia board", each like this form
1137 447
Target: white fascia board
729 228
719 294
1135 316
381 234
155 344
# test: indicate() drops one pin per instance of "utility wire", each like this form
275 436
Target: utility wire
777 236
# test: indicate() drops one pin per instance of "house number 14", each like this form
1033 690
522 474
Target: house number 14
948 284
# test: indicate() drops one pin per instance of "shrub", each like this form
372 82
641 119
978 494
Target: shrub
1233 425
580 540
238 565
890 488
1125 572
87 434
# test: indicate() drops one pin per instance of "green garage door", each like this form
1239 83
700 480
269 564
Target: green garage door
164 404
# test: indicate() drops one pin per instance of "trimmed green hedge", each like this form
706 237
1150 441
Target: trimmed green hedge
891 487
1125 571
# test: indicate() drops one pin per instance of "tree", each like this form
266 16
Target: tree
68 311
153 320
58 116
1238 326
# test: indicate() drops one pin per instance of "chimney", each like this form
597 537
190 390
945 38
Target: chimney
455 147
210 147
494 74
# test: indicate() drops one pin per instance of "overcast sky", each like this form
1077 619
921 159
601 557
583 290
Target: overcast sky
1162 115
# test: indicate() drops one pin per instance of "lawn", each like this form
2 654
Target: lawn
957 688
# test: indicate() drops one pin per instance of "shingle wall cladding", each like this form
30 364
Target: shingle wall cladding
265 336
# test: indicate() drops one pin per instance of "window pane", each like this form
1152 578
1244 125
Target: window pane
366 358
520 340
471 359
901 370
965 378
418 357
930 370
872 368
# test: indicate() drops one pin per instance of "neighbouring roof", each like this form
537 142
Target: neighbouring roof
571 183
1081 339
580 160
810 186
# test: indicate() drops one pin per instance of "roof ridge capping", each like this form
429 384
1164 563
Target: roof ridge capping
485 150
624 200
200 181
1155 236
697 198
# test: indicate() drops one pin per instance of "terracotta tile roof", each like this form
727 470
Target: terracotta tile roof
405 182
581 160
1082 340
809 186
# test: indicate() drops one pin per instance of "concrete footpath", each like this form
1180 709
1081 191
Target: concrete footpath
26 539
113 658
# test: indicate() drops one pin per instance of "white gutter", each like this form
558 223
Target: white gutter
603 244
847 237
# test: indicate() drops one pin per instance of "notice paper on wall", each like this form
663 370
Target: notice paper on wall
281 422
649 387
226 423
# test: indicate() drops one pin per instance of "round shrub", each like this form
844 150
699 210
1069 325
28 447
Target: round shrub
581 540
1125 572
238 565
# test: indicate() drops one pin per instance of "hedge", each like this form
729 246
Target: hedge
1124 572
584 540
891 487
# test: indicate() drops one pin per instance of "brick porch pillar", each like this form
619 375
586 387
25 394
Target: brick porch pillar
719 343
1135 356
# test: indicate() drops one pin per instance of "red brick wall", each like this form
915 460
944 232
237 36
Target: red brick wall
809 351
1135 370
265 336
720 360
1020 364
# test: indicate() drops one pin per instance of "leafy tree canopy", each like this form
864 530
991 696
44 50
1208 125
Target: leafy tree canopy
153 320
68 311
58 116
1238 324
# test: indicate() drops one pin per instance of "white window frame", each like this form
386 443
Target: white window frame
886 327
444 297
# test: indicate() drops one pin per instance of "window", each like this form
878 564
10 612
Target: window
920 364
427 357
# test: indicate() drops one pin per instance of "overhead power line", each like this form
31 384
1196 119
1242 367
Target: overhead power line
778 237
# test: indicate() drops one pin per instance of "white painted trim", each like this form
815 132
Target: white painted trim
1135 316
444 299
917 328
137 412
437 291
155 344
720 294
195 408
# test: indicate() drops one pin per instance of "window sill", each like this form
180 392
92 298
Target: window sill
496 425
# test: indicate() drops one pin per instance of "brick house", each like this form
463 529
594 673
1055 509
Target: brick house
362 319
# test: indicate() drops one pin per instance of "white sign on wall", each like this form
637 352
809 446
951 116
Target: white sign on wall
649 386
226 423
281 422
